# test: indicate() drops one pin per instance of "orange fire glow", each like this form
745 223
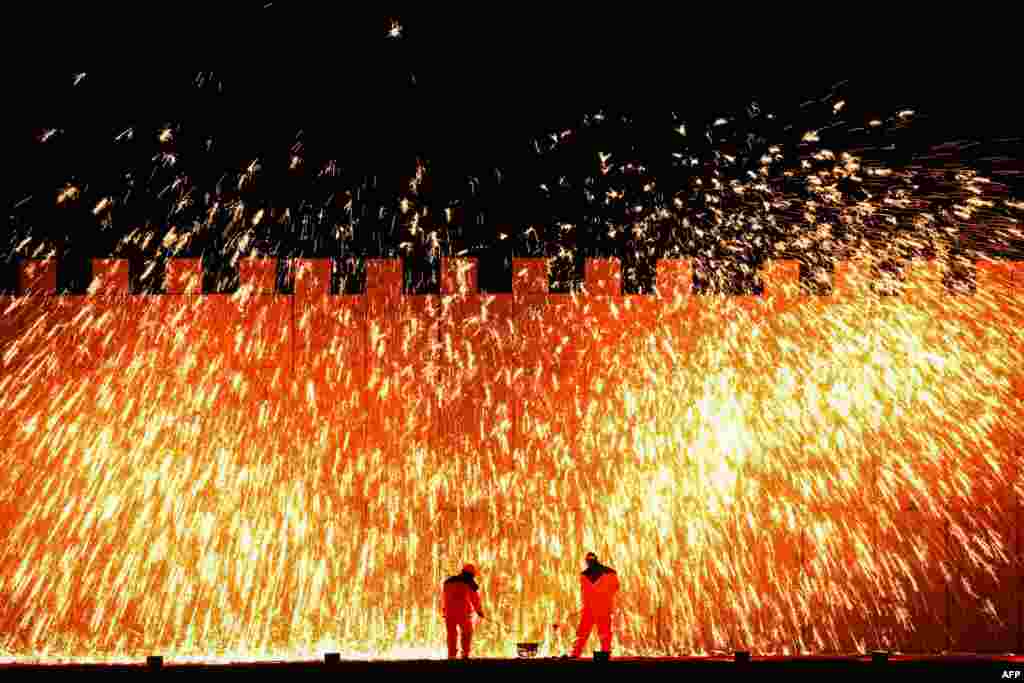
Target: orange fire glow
258 476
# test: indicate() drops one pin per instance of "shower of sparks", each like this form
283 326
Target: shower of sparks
762 471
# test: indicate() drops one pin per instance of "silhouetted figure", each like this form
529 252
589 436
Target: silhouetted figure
598 586
460 598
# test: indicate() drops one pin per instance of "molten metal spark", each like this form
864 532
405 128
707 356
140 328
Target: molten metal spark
761 471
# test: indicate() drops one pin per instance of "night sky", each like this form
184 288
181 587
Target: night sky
504 112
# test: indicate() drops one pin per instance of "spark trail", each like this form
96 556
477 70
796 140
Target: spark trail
783 472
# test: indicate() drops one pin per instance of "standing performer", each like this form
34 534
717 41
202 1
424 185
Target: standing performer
599 585
459 599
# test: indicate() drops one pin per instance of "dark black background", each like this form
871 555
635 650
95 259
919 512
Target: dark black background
468 91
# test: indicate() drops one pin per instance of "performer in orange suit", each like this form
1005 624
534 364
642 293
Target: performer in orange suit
460 598
598 585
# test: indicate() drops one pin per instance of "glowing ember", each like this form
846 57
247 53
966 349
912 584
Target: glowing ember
170 495
253 476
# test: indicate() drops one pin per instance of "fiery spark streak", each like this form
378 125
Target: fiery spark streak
321 511
763 472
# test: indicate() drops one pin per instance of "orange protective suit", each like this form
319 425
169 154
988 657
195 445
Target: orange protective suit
598 586
460 598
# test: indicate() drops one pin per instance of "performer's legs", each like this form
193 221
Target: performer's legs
604 630
467 636
451 625
583 632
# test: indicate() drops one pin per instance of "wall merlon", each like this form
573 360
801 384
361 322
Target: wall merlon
183 276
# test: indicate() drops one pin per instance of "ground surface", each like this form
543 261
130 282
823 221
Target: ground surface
960 667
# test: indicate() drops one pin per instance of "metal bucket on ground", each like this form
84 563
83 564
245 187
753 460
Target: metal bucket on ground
527 650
